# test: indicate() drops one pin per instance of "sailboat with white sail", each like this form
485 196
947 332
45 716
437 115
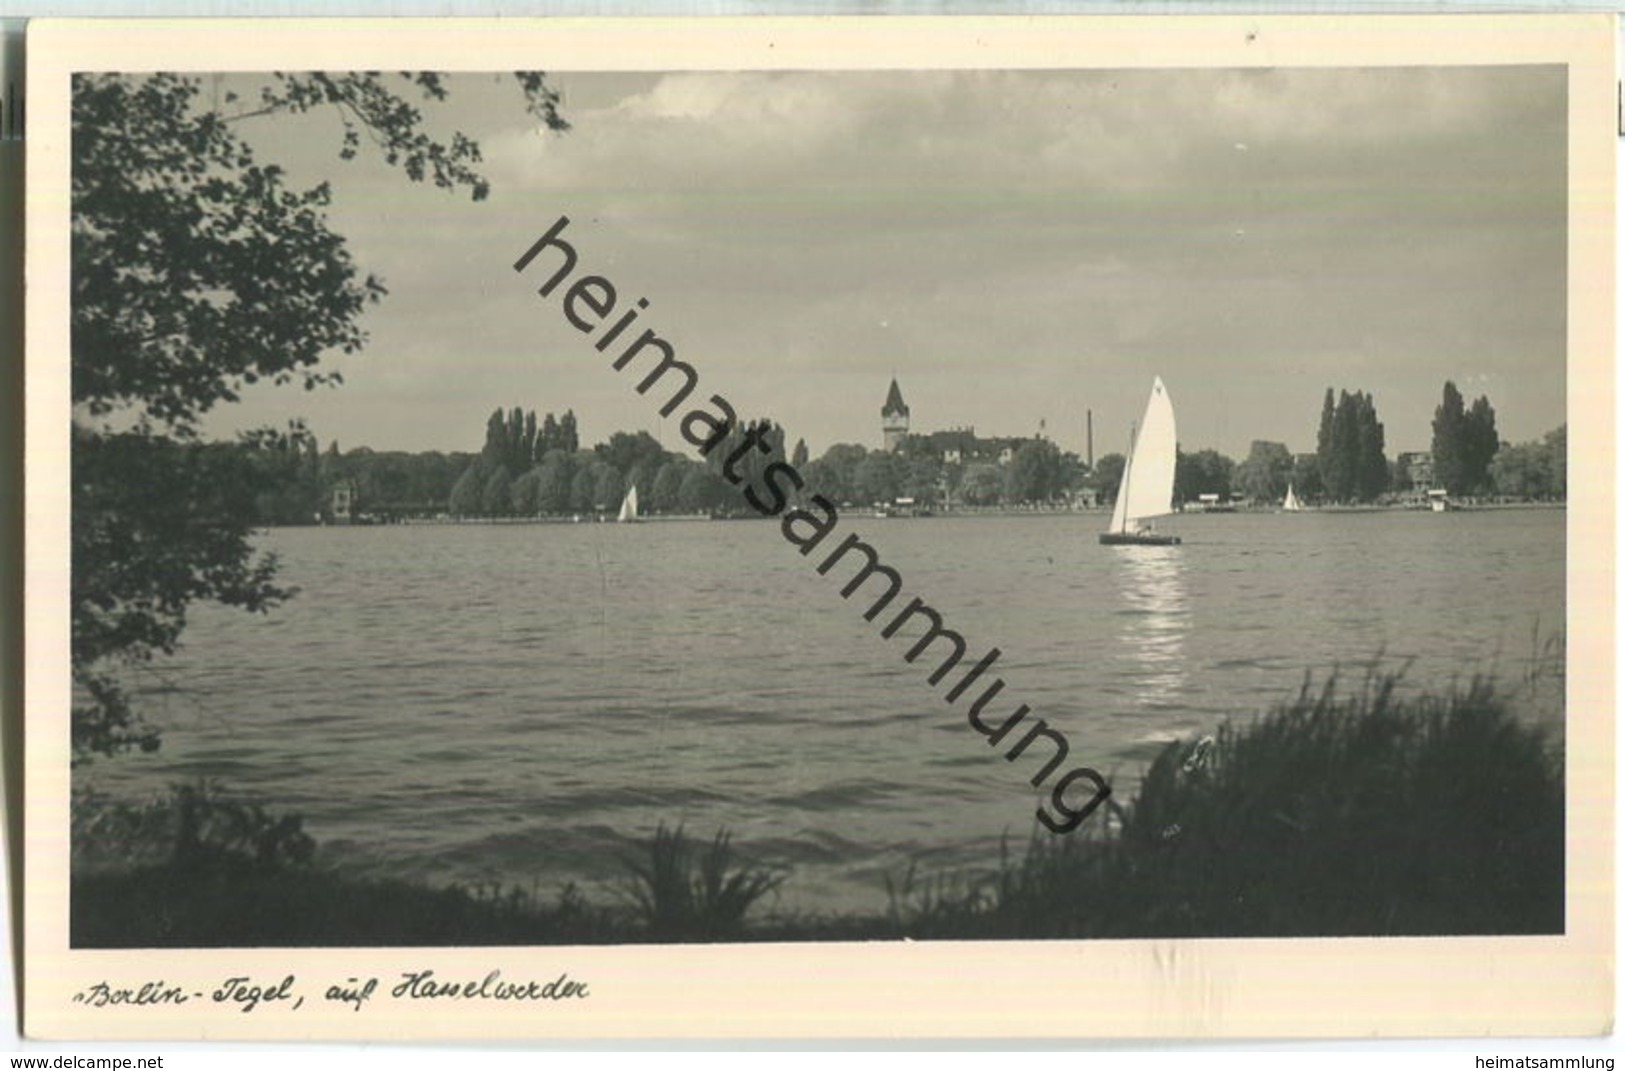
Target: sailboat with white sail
629 507
1291 505
1147 489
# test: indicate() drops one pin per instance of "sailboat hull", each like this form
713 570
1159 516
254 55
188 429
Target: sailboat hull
1138 539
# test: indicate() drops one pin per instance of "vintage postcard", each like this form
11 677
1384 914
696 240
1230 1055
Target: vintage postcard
961 528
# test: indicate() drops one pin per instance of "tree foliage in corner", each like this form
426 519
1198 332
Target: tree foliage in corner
197 270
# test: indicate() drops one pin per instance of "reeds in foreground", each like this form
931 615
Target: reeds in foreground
1365 813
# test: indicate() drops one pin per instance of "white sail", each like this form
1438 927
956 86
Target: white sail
629 505
1291 505
1147 489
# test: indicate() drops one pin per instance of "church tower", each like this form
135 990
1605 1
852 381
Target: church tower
894 418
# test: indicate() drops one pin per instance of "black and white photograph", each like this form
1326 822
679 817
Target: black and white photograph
670 503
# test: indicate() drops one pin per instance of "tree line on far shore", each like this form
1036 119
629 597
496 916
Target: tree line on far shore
522 471
536 466
1350 464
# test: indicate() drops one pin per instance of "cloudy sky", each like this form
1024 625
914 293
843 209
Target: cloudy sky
1015 246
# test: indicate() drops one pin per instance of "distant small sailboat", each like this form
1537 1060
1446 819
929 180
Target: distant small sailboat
1147 489
629 507
1291 505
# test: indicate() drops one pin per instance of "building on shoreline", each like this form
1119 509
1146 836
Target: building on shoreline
953 446
894 418
956 467
341 509
1417 466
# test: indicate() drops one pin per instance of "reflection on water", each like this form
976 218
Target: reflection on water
1155 617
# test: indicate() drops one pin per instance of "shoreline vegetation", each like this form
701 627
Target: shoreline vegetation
1339 812
967 512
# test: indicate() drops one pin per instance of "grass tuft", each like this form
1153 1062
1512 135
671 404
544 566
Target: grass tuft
684 893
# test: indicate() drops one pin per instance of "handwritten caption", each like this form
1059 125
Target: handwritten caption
247 994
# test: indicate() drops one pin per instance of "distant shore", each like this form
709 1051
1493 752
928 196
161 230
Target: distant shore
1464 506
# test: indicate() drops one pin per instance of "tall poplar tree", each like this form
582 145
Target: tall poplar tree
527 445
1480 443
1346 447
1372 463
549 439
1351 462
1450 461
1326 449
495 450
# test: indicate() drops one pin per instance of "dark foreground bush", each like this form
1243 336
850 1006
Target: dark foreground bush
200 869
1333 815
226 904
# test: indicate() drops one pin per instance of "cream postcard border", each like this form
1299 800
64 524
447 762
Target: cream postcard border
1338 988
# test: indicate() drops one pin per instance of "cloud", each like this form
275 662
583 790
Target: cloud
1060 232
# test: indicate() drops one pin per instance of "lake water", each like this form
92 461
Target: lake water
524 703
